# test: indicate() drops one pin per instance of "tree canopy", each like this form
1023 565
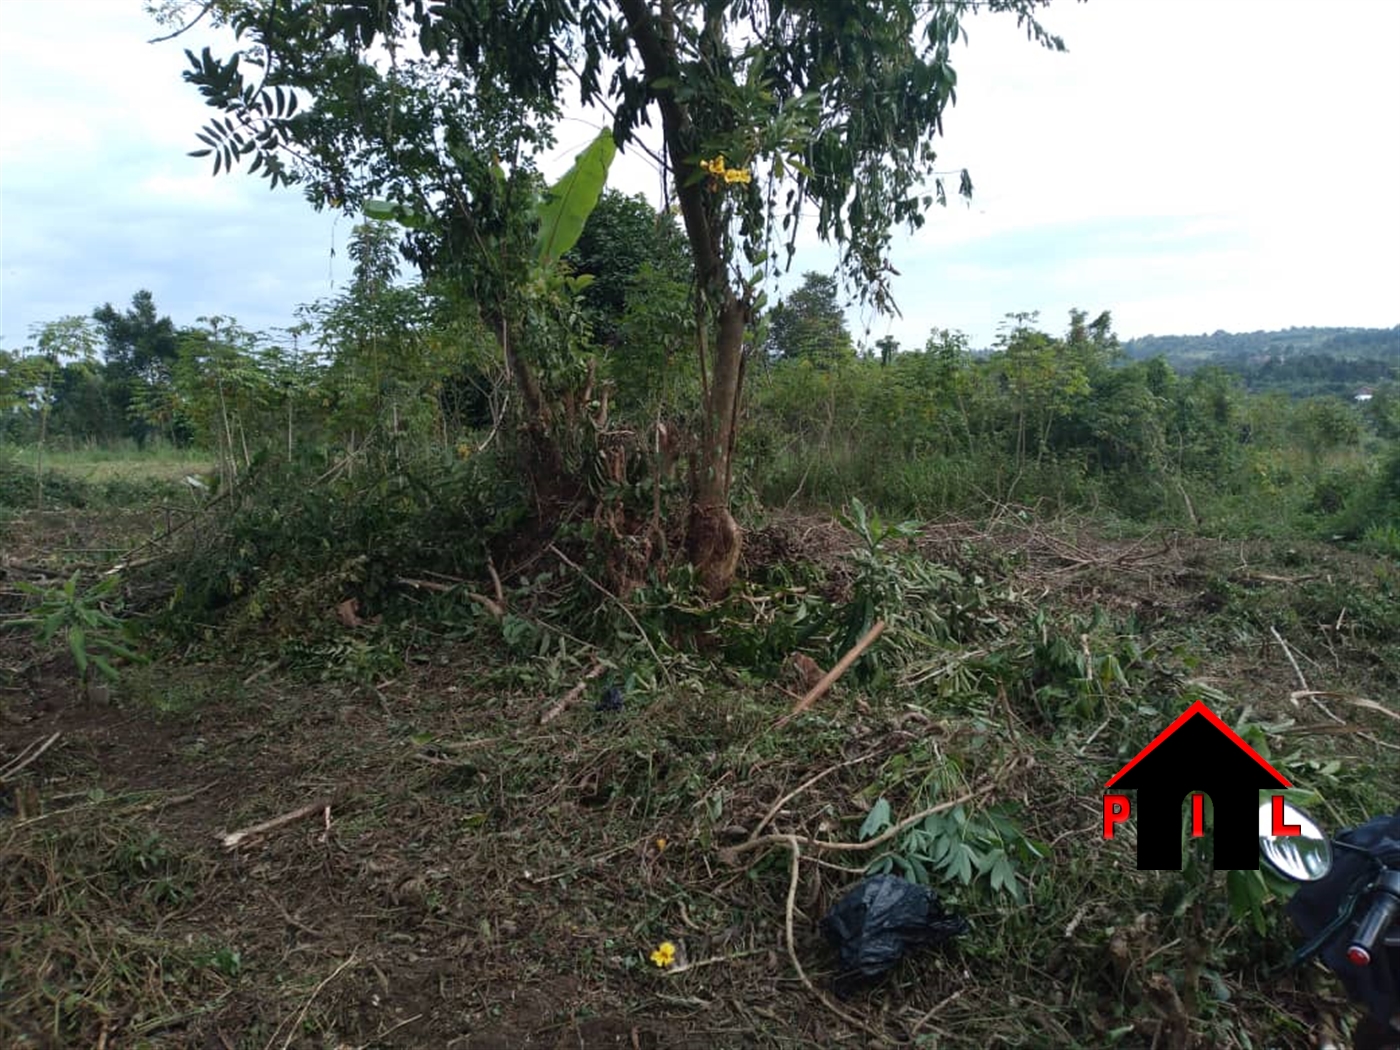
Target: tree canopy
768 112
809 325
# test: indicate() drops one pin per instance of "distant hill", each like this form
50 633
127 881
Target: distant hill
1300 361
1257 348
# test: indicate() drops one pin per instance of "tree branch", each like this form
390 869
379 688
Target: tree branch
209 6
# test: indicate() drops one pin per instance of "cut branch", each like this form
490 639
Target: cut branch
571 697
836 672
234 838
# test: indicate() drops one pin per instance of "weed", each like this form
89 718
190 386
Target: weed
94 634
1383 540
223 959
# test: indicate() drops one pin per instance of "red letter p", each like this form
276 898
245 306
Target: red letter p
1115 811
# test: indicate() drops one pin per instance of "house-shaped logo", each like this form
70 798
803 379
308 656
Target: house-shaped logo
1198 753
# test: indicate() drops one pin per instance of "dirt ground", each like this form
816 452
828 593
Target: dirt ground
460 875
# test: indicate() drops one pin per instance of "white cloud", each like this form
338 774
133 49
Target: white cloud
1189 164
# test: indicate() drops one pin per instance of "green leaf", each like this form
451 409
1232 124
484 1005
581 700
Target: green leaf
104 668
877 821
77 644
113 649
962 864
52 623
941 848
1246 892
392 211
572 199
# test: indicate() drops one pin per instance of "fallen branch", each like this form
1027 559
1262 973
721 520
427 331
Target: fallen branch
232 839
1289 653
496 609
1267 577
179 800
836 672
496 582
793 844
571 697
1370 705
26 756
675 970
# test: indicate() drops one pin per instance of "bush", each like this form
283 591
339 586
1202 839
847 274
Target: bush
296 542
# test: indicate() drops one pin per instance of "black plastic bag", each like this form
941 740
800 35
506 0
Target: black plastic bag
879 920
611 700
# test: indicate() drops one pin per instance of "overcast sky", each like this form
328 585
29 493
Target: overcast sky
1190 165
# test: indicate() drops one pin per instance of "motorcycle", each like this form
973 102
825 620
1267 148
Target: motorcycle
1347 905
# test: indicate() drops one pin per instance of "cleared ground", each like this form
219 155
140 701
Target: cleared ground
466 876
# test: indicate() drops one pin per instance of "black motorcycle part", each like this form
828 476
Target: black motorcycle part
1360 856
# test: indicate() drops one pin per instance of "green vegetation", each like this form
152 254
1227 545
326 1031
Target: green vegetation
1301 362
442 690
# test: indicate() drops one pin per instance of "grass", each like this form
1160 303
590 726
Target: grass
98 466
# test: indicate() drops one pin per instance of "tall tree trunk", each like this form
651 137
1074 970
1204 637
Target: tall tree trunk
713 536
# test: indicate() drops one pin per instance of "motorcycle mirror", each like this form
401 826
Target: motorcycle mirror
1299 858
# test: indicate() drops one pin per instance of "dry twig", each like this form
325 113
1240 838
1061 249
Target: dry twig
729 854
233 838
26 756
571 697
1289 653
777 806
296 1024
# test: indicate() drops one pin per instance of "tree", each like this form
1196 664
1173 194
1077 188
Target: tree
622 235
388 352
1328 423
1045 377
809 325
888 347
766 109
68 343
140 349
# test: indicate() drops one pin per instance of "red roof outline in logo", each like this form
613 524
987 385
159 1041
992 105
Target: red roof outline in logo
1199 708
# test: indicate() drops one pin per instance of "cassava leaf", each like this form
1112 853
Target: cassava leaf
877 821
77 645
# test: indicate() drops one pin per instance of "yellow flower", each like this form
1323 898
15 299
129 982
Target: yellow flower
664 955
719 170
660 845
